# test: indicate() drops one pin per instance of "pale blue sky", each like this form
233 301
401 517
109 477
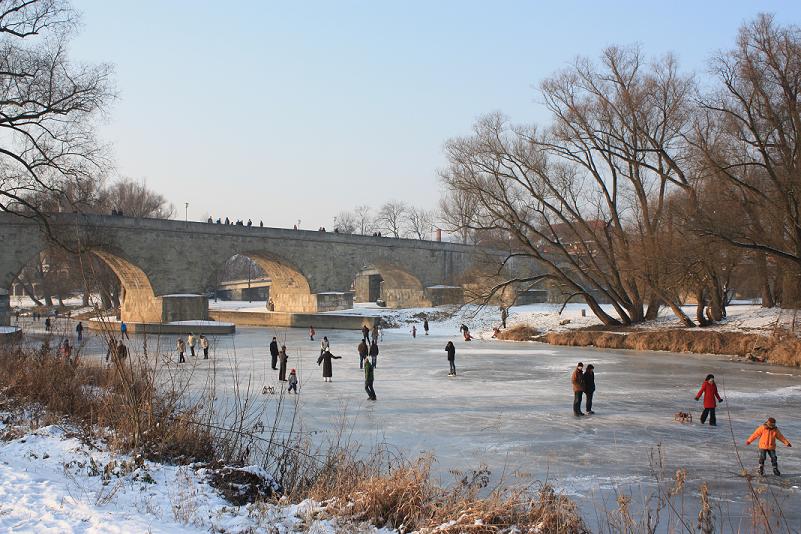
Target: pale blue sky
298 110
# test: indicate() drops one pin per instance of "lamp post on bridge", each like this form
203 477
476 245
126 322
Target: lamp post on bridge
186 212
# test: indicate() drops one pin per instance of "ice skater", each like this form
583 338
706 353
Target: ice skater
274 353
325 359
465 332
451 351
768 434
369 376
710 392
577 379
414 331
324 345
293 382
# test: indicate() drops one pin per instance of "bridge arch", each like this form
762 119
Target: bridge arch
393 284
138 302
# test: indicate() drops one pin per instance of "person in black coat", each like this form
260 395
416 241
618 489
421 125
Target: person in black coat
325 358
451 350
589 386
274 353
374 353
366 333
282 357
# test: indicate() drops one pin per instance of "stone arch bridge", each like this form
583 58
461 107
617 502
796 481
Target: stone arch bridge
167 267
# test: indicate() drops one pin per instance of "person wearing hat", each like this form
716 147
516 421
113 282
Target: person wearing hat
577 379
710 392
768 434
274 353
369 376
282 358
293 382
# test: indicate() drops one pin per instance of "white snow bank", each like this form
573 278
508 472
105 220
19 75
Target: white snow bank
54 482
5 330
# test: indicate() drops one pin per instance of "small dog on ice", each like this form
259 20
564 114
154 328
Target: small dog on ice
268 390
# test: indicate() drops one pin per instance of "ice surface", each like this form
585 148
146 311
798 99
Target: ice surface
510 407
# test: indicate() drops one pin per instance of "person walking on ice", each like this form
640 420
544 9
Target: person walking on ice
191 342
204 344
451 351
374 353
710 392
293 382
311 333
425 325
324 345
325 358
282 357
577 379
274 353
589 387
124 331
414 331
768 434
369 375
181 348
79 331
363 352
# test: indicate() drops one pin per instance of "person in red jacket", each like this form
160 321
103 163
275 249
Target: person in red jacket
710 392
767 435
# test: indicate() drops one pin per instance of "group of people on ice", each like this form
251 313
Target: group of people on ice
191 342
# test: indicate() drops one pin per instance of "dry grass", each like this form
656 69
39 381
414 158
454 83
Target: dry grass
121 398
405 498
780 348
518 332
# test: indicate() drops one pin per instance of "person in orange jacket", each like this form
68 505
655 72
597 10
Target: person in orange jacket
710 392
768 434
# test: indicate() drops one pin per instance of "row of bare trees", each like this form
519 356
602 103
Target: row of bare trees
647 188
393 219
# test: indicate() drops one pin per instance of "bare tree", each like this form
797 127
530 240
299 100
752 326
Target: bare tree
391 218
364 218
420 222
135 199
750 136
457 209
48 105
346 222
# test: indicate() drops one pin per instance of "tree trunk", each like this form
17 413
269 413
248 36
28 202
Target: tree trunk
599 312
676 309
791 287
653 308
764 279
700 295
28 289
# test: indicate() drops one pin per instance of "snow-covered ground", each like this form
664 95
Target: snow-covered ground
54 481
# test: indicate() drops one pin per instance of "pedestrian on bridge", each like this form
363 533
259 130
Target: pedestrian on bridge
274 353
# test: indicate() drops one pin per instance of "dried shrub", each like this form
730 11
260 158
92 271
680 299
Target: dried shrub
519 332
780 348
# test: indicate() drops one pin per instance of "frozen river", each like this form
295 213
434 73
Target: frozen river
510 409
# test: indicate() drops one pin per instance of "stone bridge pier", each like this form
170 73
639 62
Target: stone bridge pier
168 267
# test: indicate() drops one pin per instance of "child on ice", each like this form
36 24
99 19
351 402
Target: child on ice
768 434
293 382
